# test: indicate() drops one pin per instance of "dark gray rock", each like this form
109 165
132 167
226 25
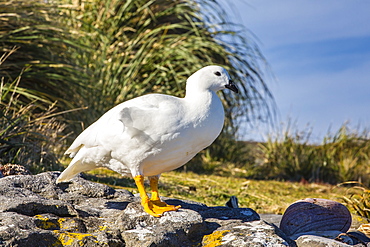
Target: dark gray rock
272 218
37 212
315 214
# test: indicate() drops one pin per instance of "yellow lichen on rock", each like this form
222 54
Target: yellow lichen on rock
67 238
45 223
214 239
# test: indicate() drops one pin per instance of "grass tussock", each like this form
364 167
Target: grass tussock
28 139
357 198
28 136
343 156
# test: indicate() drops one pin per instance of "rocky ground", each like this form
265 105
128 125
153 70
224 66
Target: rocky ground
35 211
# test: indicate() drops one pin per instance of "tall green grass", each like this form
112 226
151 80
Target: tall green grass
41 43
31 139
342 156
358 199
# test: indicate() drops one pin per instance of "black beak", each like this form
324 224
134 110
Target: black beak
232 86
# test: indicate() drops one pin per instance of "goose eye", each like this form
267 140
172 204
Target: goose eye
217 73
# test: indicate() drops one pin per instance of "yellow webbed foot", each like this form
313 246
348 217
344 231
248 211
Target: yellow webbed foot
153 206
157 208
161 207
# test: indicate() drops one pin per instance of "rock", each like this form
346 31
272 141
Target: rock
272 218
35 211
254 233
317 241
232 202
315 215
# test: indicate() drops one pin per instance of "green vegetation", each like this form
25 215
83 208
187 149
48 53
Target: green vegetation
27 137
358 199
341 157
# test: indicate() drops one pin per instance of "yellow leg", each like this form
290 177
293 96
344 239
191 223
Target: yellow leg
162 206
153 207
154 187
139 180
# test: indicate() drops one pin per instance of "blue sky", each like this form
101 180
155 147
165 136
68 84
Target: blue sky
319 53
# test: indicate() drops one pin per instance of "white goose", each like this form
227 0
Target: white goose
152 134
